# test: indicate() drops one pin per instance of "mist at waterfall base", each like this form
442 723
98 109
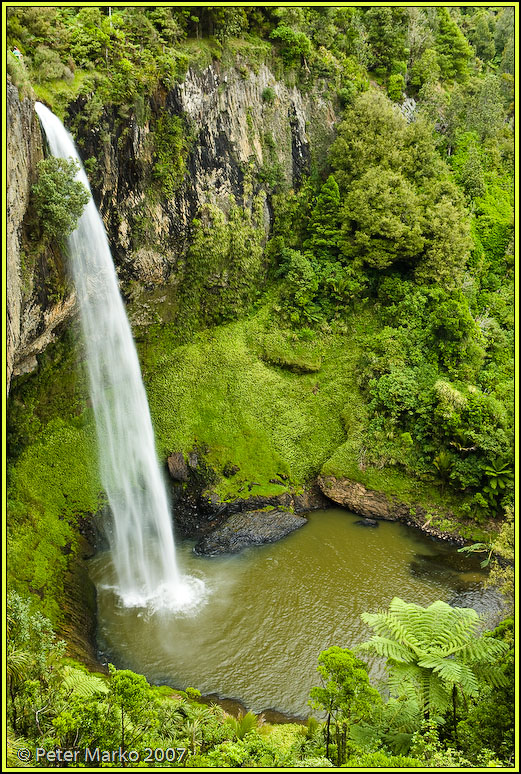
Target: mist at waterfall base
140 534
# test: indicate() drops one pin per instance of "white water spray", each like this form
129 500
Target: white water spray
142 540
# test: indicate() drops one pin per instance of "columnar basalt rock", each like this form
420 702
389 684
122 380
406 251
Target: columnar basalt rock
237 137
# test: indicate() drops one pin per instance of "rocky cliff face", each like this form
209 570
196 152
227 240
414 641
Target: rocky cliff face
33 315
245 129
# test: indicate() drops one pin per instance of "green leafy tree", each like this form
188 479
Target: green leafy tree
345 695
382 220
47 64
425 69
482 36
386 31
325 221
448 243
453 49
371 135
132 696
59 198
450 326
295 46
478 107
301 282
434 653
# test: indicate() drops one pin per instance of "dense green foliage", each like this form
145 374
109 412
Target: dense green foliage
59 198
55 704
371 337
390 225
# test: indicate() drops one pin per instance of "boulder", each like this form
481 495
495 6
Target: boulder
356 497
177 467
250 528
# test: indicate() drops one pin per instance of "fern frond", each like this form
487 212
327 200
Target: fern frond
468 681
82 684
493 674
388 648
438 697
18 663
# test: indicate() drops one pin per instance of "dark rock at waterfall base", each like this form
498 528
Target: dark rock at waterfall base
367 522
177 467
198 510
251 528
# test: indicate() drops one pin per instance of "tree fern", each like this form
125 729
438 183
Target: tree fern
431 651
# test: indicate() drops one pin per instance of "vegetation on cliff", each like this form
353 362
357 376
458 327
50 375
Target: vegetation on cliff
369 336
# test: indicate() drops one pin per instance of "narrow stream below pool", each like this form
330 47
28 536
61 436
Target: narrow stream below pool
271 610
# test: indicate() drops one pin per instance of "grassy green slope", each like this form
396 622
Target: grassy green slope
255 395
52 475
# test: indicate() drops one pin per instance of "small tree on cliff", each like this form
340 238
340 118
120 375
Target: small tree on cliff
58 197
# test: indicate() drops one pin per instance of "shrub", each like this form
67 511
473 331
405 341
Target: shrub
59 198
395 87
47 65
268 95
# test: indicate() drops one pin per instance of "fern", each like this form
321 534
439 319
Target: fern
431 650
82 684
242 724
18 663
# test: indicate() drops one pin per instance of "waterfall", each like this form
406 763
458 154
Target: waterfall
141 537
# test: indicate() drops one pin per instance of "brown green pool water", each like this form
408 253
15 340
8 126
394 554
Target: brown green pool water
270 610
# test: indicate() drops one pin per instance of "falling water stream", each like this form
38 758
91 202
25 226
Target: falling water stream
141 536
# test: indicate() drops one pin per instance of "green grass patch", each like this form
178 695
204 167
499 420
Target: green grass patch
218 392
58 93
290 351
201 52
50 487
